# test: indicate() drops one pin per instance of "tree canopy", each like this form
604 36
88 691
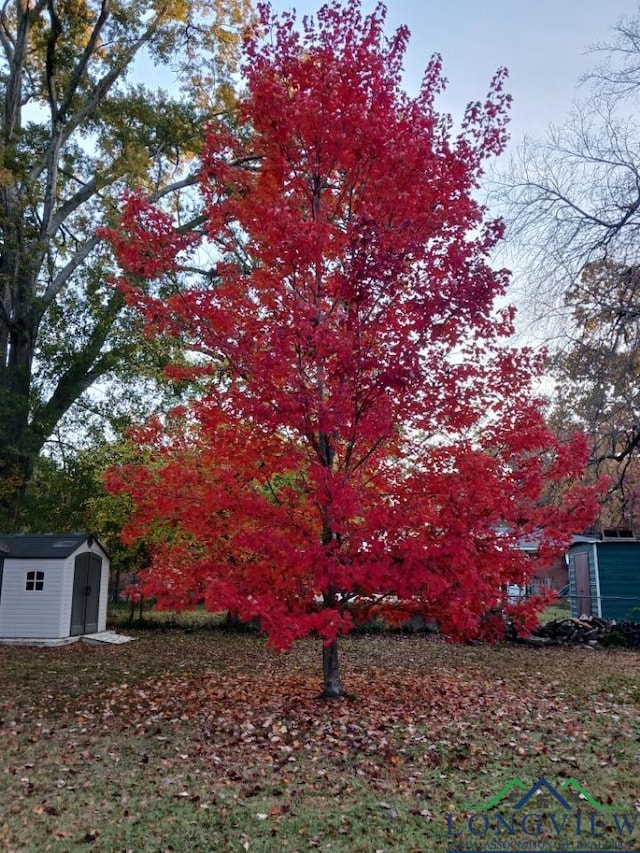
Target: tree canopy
597 374
75 129
365 442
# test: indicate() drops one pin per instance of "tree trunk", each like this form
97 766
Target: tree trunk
232 622
19 321
330 663
331 672
16 441
18 447
116 587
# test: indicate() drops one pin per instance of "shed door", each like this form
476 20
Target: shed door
86 594
583 584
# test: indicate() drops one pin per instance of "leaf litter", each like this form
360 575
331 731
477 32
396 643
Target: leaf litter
214 723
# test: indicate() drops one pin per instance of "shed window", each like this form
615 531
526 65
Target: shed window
35 581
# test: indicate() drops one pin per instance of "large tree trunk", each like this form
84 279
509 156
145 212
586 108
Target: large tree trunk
20 315
18 446
331 672
17 456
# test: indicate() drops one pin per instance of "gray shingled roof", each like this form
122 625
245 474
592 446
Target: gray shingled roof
42 546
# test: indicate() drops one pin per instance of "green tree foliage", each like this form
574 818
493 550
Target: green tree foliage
66 494
76 128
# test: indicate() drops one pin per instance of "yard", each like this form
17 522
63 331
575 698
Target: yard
203 741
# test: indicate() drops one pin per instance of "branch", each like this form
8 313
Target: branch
53 149
86 191
87 366
104 85
54 33
632 444
6 36
13 91
82 64
56 285
93 100
189 181
89 189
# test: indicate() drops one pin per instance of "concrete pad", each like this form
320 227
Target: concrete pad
40 643
110 637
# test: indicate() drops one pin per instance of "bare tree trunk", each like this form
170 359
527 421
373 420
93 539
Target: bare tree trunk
232 622
16 443
331 672
116 587
330 664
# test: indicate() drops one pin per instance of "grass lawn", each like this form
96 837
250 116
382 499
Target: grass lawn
208 742
562 610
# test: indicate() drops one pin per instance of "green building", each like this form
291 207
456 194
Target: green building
604 575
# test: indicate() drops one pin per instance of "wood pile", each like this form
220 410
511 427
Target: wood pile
570 629
585 630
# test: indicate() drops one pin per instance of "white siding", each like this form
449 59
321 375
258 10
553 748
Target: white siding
64 614
31 613
104 591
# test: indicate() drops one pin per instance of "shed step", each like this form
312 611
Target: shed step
106 637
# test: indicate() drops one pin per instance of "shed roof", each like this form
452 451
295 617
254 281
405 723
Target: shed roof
43 546
600 541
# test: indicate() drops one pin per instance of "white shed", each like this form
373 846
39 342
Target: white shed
53 587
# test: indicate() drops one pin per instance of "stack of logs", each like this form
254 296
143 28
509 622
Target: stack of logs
569 629
587 630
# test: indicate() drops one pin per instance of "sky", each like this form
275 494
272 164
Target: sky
543 43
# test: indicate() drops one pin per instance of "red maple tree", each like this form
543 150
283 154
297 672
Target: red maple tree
365 442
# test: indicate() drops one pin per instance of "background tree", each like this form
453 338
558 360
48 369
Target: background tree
364 442
66 493
573 206
75 128
597 381
573 198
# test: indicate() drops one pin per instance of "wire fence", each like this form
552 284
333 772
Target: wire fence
577 604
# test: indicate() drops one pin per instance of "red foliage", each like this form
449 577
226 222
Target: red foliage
147 242
367 443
